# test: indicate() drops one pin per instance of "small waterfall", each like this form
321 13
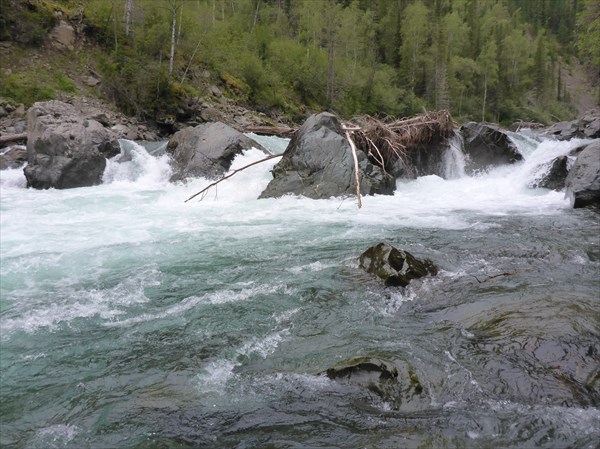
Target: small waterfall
540 155
454 158
136 164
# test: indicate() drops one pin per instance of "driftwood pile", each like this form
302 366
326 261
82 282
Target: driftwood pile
386 143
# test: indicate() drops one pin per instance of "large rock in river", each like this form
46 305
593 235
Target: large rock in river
395 267
583 182
318 163
487 146
64 149
206 150
556 175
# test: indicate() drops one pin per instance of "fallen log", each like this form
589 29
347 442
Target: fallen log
11 138
280 131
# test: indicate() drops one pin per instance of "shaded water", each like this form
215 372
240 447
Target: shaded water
132 320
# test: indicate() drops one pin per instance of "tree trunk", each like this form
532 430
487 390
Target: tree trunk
173 26
114 13
484 97
180 22
330 68
128 8
255 17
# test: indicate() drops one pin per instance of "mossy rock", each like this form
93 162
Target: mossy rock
395 267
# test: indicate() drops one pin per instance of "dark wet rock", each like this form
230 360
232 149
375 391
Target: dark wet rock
583 182
318 163
206 150
487 146
395 267
64 149
423 160
395 382
554 178
13 158
586 127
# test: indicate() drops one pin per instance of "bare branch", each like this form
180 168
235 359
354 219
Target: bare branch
356 169
237 170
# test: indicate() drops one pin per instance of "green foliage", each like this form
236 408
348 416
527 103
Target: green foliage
589 39
34 85
27 22
64 84
481 59
24 88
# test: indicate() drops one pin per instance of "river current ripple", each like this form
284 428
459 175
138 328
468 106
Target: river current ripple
129 319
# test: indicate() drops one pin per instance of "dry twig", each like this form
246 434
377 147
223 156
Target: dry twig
237 170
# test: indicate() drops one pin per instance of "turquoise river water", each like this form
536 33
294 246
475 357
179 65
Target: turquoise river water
130 319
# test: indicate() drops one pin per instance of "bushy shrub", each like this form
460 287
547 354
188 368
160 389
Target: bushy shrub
24 87
26 22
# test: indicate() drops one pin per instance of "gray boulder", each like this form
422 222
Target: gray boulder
206 150
318 163
395 267
554 178
64 149
487 146
583 182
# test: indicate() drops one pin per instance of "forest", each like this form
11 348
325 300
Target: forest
485 60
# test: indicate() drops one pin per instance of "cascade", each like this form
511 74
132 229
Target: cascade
454 157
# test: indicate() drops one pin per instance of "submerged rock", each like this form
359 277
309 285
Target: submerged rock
206 150
487 146
395 382
318 163
394 266
583 182
64 149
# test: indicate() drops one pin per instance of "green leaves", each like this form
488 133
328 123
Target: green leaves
385 57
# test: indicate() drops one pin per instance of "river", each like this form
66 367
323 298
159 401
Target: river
130 319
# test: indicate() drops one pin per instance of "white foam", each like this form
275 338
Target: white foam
56 436
215 376
72 304
138 166
217 297
12 178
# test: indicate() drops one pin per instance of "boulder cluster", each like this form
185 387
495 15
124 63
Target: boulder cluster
67 146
